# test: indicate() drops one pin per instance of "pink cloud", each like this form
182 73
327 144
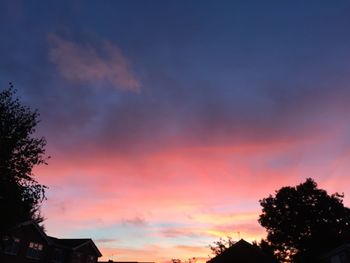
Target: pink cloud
193 178
86 63
179 192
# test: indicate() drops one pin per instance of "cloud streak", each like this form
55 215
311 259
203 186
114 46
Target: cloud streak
104 64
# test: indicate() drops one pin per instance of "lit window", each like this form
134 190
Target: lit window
35 250
11 245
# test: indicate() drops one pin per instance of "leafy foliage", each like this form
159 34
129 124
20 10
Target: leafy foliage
303 222
20 194
190 260
265 247
221 245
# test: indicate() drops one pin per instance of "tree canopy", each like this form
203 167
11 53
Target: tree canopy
302 222
20 194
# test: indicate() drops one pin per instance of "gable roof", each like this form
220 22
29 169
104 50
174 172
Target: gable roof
70 243
75 243
243 252
37 228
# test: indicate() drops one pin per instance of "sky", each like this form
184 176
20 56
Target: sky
168 121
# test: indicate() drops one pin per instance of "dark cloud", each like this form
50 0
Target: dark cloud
233 80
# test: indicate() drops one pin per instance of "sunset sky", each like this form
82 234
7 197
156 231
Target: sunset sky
167 121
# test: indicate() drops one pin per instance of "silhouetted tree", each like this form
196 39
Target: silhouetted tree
221 245
20 194
303 222
265 247
190 260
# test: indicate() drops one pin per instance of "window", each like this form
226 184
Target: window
343 257
58 256
35 250
340 258
76 257
335 259
11 246
90 259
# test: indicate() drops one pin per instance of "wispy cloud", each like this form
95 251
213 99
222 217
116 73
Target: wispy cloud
93 64
137 221
105 240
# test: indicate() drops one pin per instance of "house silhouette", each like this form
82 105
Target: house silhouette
27 243
243 252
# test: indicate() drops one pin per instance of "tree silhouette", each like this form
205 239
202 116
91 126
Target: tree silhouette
177 260
20 194
302 222
221 245
265 247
